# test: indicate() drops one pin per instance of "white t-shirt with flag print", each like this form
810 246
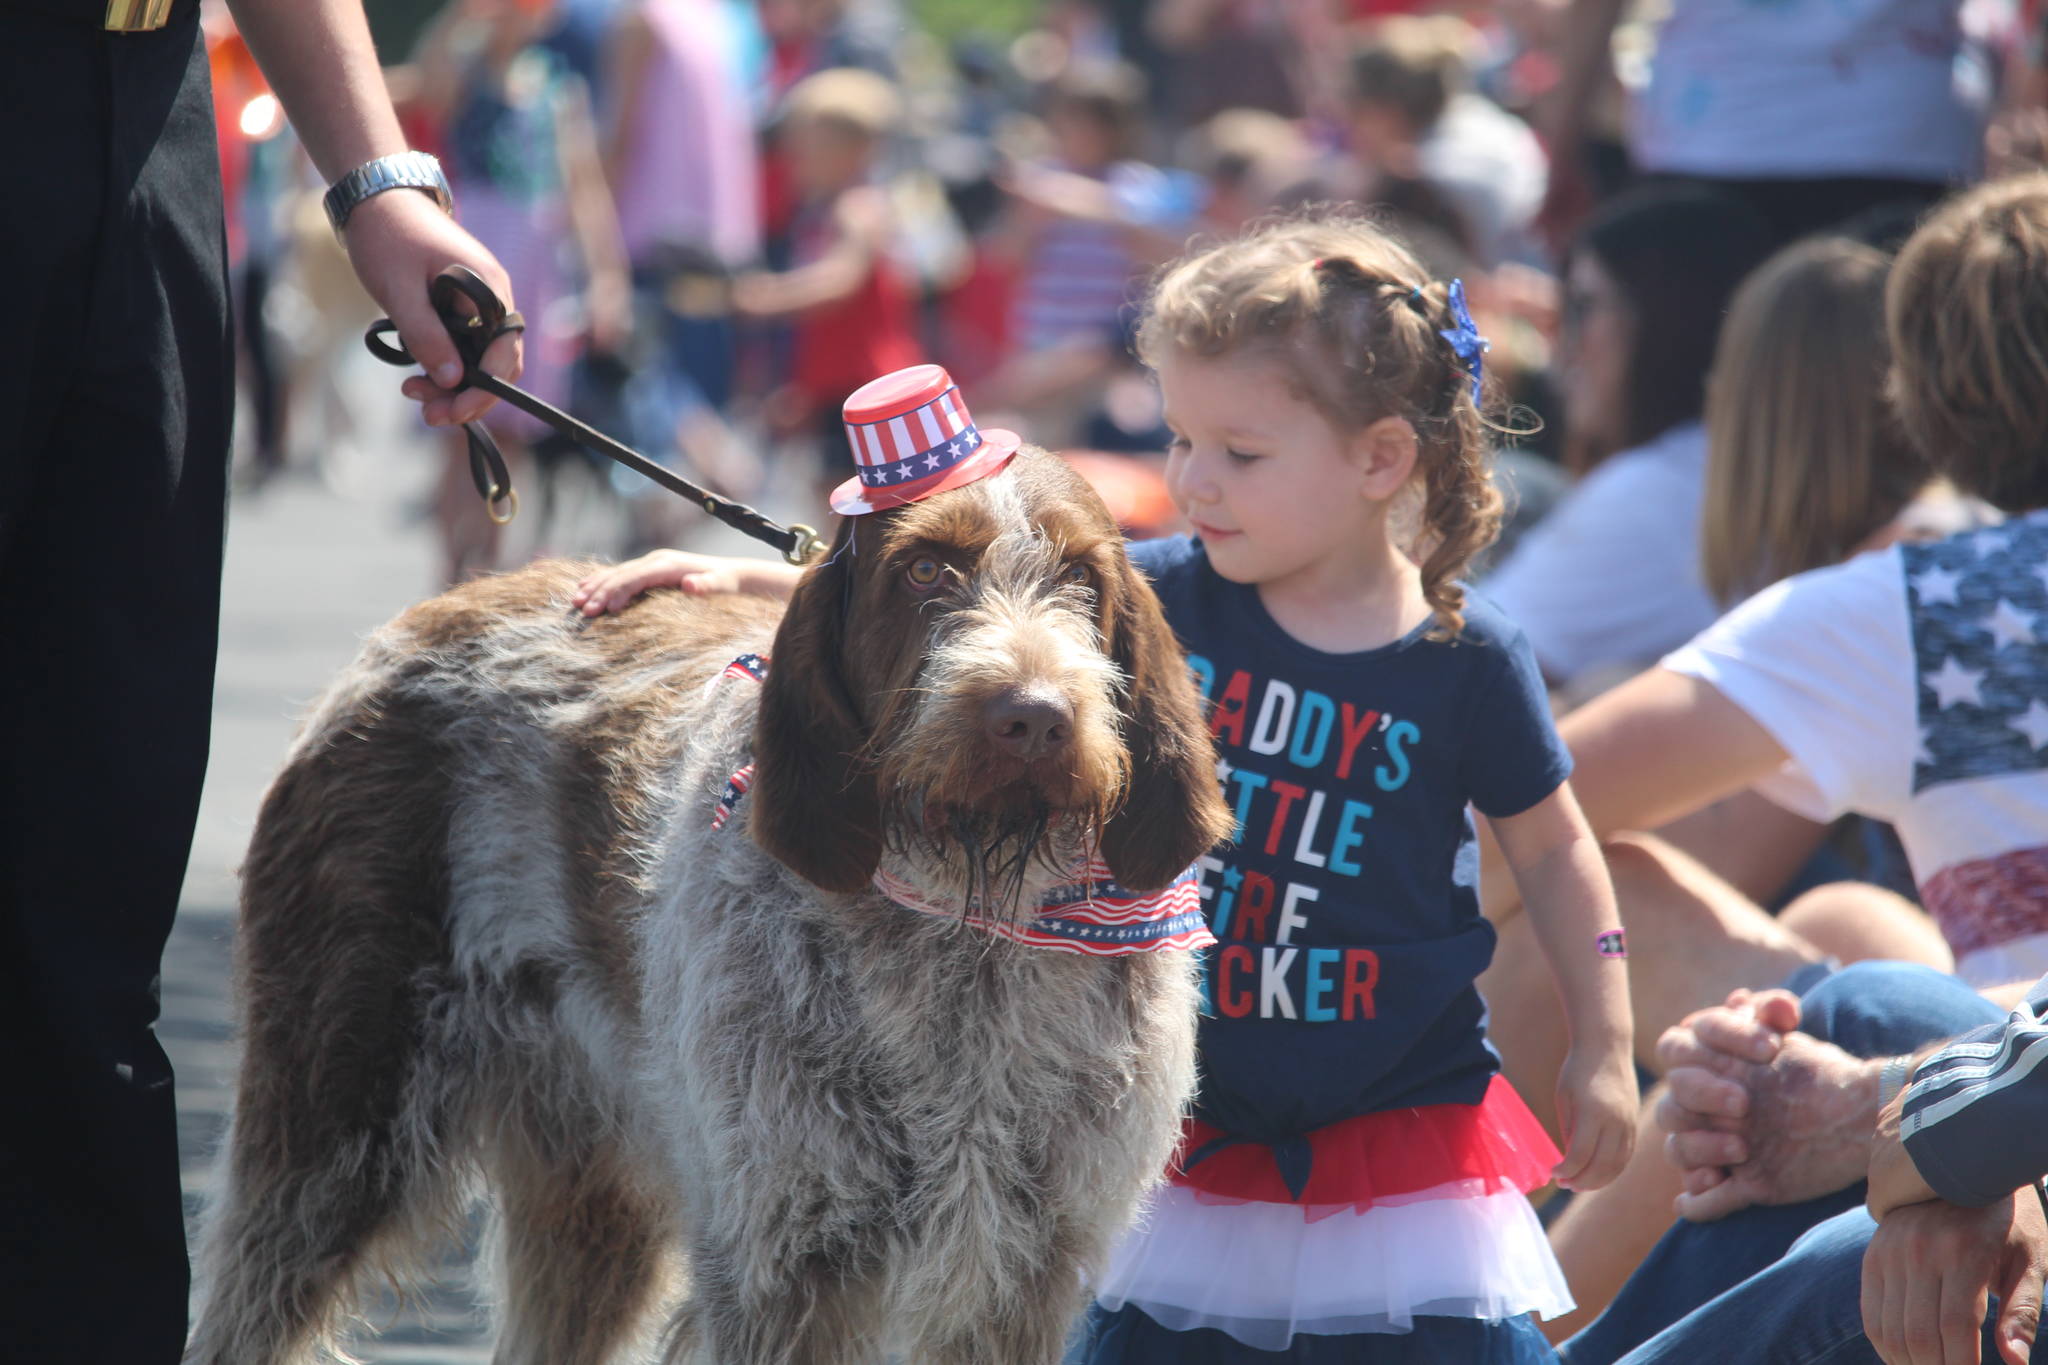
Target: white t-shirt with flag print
1911 685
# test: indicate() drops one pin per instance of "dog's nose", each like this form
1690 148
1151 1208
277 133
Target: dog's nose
1029 722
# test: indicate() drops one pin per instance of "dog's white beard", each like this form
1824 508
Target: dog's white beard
942 877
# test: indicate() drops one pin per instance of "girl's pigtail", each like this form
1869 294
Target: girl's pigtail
1461 509
1461 506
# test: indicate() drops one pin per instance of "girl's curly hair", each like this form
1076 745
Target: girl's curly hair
1355 322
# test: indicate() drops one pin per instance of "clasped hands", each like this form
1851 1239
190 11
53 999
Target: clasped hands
1756 1112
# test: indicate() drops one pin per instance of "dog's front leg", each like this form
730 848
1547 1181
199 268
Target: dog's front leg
1030 1327
813 1309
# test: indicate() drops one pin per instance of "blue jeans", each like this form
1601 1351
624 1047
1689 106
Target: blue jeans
1783 1286
1129 1337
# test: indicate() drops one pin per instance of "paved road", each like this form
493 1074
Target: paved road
308 574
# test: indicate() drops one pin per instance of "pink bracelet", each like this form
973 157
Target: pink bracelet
1610 943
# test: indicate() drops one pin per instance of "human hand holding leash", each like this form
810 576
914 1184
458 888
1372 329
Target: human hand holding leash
319 57
398 243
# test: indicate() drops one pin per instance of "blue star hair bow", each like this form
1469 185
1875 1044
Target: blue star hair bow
1465 338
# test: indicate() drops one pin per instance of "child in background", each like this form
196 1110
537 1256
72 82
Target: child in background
1412 115
1082 228
1352 1185
522 156
853 310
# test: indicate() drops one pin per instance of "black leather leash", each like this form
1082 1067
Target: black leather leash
473 335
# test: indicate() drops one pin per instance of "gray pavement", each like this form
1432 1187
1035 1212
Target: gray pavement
308 574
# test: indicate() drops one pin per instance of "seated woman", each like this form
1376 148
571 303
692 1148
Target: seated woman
1806 467
1610 580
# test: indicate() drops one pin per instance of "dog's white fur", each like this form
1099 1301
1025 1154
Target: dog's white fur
488 930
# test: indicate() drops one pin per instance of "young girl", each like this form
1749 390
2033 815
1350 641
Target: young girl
1352 1183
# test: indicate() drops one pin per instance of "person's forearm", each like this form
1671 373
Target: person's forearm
593 214
1177 23
1975 1117
431 79
839 276
318 57
626 76
1570 903
1585 56
766 578
1070 195
1659 747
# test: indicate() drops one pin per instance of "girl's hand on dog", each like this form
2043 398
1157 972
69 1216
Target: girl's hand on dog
612 589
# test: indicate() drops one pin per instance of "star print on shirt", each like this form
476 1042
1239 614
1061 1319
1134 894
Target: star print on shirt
2008 625
1935 586
1979 611
2034 724
1954 683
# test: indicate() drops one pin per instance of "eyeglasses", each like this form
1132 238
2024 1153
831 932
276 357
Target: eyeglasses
1580 303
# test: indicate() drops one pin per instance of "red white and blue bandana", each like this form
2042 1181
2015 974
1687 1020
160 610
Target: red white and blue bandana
1089 914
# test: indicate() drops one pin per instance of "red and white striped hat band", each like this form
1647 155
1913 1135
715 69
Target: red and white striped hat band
922 443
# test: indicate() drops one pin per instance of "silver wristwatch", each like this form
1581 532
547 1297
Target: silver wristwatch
400 170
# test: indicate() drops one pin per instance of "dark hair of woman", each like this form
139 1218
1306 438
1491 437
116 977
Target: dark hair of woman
1677 254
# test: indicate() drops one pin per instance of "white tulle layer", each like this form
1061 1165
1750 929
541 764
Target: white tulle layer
1264 1272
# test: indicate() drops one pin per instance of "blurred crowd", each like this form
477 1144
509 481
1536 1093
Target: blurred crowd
721 216
1674 221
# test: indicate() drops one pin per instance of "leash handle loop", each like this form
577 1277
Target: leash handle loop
473 334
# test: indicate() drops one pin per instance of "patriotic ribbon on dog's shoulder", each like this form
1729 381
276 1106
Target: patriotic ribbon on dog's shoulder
1091 914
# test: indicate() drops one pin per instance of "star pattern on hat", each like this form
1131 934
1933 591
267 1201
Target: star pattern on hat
1979 608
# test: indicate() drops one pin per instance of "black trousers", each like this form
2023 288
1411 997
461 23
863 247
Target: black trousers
115 398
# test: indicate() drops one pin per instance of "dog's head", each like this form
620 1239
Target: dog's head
982 683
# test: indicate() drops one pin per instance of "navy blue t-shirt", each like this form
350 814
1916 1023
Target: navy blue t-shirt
1346 907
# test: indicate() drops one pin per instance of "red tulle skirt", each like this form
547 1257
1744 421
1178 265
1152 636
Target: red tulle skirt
1400 1156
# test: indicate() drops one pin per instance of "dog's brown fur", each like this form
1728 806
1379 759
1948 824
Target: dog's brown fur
487 928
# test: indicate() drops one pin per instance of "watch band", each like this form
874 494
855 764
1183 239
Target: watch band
399 171
1892 1079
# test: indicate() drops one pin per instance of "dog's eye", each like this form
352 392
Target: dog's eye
924 572
1077 572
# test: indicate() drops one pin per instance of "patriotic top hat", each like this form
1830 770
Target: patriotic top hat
911 438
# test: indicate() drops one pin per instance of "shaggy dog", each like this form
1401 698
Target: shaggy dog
488 927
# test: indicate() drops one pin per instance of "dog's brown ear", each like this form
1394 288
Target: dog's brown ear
1172 812
815 802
